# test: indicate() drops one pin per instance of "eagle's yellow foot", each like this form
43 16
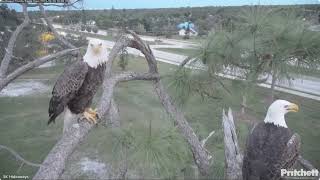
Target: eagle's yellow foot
91 115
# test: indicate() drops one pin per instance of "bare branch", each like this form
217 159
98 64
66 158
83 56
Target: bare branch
17 156
9 50
203 142
56 34
129 76
4 82
200 154
233 156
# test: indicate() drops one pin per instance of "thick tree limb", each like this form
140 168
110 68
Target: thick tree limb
56 34
12 76
201 156
233 156
17 156
113 116
9 50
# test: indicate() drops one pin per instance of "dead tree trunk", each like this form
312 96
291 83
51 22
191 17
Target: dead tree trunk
233 156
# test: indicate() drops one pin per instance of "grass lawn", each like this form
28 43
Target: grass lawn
23 125
185 52
193 39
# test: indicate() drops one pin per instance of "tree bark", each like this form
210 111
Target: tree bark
18 72
233 155
12 41
113 116
273 85
201 156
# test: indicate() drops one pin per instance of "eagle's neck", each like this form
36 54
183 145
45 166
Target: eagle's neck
94 60
275 118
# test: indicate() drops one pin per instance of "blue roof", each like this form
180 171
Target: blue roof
185 25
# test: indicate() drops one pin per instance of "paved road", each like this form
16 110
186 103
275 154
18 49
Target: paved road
300 85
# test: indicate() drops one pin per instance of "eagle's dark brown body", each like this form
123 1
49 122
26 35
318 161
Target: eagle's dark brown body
270 148
75 89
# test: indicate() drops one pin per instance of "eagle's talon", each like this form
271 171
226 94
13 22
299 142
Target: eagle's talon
90 115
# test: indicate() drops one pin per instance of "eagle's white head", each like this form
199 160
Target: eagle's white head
277 110
96 54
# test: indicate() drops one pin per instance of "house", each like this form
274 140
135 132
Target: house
183 29
91 23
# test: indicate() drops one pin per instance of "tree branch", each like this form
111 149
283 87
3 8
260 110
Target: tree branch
201 155
9 50
129 76
233 156
17 156
56 34
203 142
12 76
113 115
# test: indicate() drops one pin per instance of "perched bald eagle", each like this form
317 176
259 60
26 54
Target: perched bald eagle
77 85
271 145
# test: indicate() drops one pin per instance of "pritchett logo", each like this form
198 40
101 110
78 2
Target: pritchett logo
299 174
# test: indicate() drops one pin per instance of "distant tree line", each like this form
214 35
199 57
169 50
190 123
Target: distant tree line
164 21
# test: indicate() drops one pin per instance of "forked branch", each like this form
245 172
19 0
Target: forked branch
12 41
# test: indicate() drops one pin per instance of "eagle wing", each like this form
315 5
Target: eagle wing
66 87
292 151
261 162
288 158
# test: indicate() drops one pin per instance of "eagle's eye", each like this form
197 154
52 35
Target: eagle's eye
91 44
286 106
100 44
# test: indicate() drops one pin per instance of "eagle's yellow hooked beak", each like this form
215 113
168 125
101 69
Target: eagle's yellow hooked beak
293 108
96 50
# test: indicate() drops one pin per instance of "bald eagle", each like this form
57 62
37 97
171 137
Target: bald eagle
271 145
76 86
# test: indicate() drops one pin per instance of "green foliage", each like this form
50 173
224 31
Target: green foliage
263 41
83 27
88 28
95 29
158 151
